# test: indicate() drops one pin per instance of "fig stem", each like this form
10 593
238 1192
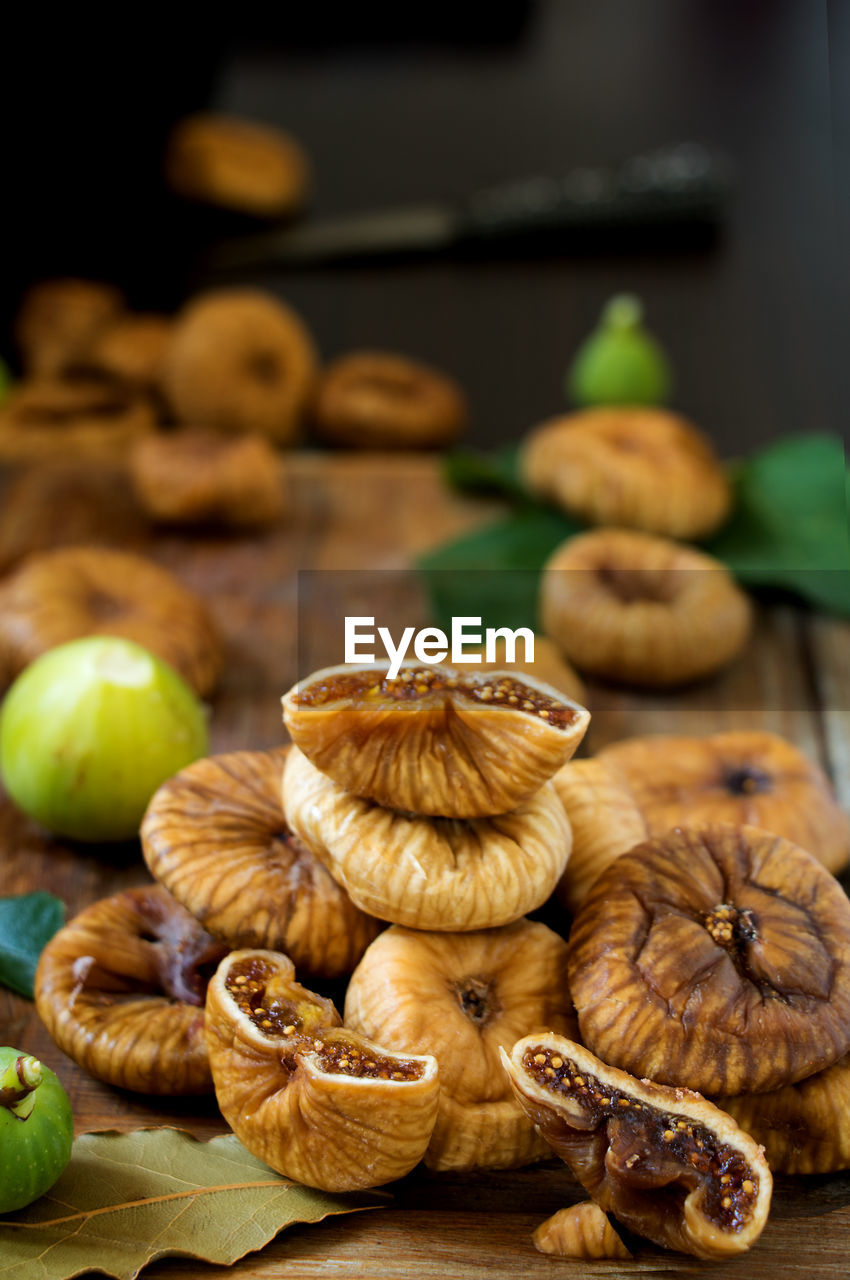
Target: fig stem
18 1083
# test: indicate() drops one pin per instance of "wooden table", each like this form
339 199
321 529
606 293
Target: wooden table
346 514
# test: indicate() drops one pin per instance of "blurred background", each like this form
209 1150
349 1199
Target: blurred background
433 102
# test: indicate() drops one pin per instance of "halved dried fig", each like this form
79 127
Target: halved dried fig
581 1231
121 990
318 1103
216 836
636 467
432 740
716 956
192 477
84 591
743 777
804 1127
459 996
605 823
633 607
430 873
668 1164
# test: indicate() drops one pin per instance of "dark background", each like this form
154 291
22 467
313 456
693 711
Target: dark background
439 100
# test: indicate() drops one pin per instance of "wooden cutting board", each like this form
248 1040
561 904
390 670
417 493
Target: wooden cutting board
354 524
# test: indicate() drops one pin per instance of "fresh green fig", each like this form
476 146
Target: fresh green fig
620 362
90 730
36 1129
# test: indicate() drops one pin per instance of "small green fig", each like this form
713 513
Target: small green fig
36 1129
620 362
90 730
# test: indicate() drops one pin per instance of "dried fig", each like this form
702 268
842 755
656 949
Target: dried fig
320 1104
638 468
717 956
459 996
239 361
668 1164
128 351
378 400
216 836
237 164
605 823
804 1127
60 595
433 741
743 777
430 873
82 419
641 609
121 990
58 319
581 1231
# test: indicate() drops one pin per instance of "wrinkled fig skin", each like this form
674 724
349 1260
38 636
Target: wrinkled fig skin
668 1164
121 991
459 996
581 1231
434 741
298 1092
605 821
716 958
216 836
430 873
745 777
804 1127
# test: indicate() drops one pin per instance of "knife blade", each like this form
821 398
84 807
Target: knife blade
650 195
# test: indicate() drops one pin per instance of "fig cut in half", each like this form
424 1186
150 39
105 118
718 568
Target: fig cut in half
668 1164
433 740
319 1104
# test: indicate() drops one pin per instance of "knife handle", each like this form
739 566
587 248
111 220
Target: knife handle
675 187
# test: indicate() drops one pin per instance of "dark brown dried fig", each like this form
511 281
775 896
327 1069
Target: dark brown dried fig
320 1104
121 990
430 873
717 957
668 1164
434 741
743 777
216 836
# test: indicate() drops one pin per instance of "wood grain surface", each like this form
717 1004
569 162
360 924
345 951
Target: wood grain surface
359 521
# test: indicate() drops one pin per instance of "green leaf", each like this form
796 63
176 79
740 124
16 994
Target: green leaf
474 472
27 923
126 1199
789 531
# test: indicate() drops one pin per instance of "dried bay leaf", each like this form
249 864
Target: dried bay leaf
127 1199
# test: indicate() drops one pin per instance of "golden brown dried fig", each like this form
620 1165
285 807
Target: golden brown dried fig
237 164
216 836
743 777
129 351
641 609
432 740
378 400
605 823
459 996
200 477
121 990
430 873
83 419
238 361
668 1164
804 1127
58 319
631 466
717 956
581 1231
84 591
320 1104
